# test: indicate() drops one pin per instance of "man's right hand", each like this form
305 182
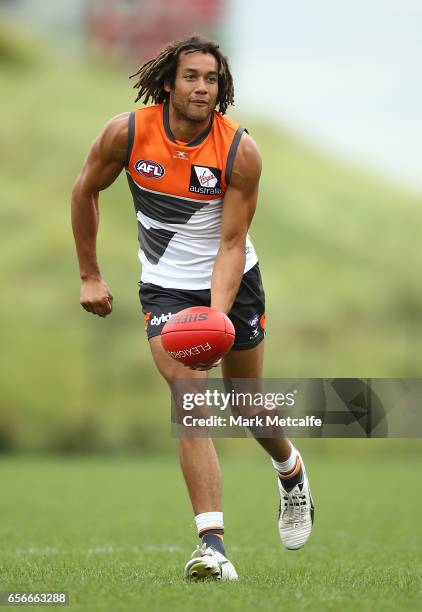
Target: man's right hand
96 297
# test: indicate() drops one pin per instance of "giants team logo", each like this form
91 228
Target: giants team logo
205 180
149 168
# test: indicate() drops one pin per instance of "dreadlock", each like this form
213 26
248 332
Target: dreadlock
153 74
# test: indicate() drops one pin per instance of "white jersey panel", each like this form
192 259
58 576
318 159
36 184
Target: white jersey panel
189 249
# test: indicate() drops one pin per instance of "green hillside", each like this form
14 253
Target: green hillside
339 250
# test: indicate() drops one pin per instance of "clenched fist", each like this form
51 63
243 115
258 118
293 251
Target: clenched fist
96 297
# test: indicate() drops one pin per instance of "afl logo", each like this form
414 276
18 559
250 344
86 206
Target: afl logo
149 168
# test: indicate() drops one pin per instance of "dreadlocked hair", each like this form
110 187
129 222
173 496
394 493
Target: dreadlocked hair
156 72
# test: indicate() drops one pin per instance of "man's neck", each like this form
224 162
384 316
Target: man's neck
183 129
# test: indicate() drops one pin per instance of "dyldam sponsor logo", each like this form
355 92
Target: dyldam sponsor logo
163 318
221 400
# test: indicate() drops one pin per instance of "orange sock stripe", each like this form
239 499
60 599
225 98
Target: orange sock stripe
207 529
294 472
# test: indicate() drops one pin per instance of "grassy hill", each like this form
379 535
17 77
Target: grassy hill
339 250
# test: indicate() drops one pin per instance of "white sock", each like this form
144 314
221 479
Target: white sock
206 520
289 464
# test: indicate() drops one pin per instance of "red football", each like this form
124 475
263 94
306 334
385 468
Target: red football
198 335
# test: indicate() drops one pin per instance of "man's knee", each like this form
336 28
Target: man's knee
169 368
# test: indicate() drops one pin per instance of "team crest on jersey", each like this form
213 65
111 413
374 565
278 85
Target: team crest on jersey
205 180
149 168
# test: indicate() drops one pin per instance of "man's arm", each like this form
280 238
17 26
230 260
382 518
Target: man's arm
105 161
238 210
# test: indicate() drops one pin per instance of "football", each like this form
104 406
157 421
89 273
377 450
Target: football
198 335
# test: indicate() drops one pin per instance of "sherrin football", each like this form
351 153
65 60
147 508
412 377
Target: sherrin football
198 335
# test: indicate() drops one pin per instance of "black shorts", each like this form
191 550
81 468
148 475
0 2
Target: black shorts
247 313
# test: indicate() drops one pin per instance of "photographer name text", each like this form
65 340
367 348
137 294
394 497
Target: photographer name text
269 420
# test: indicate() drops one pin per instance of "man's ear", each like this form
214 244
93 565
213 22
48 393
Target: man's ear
167 87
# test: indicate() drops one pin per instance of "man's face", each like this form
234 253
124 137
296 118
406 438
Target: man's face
196 85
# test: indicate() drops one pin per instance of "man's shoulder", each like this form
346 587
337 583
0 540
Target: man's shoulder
114 137
149 110
247 163
244 140
234 128
117 127
226 122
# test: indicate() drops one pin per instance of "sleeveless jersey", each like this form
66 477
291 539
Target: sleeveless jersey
178 192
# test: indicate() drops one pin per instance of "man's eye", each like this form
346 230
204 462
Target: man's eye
212 80
190 77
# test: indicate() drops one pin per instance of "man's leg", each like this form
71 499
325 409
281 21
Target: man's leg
198 458
296 506
201 470
249 363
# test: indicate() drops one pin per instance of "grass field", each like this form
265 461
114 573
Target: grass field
116 534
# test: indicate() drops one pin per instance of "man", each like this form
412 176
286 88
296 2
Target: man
194 176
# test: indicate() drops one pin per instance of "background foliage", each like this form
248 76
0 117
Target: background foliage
339 249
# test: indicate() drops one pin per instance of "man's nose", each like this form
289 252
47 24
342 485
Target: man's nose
201 85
